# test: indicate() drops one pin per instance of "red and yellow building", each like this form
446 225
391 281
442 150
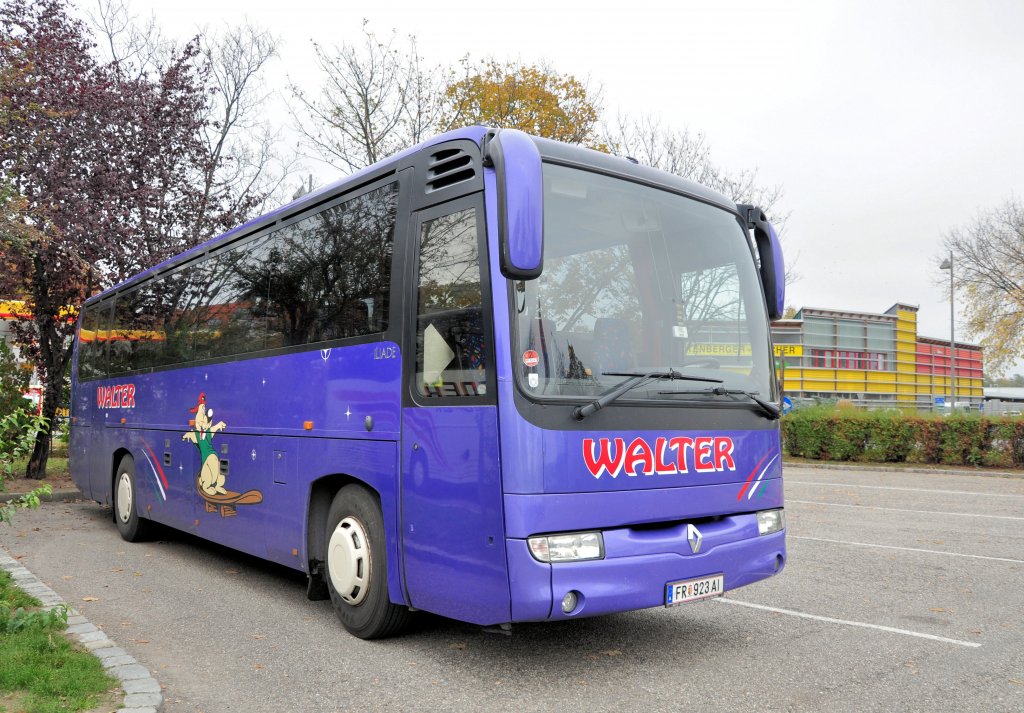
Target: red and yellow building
12 310
873 360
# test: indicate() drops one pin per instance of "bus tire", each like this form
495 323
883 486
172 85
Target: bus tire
356 571
125 496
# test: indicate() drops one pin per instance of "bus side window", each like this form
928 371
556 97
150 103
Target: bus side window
451 349
123 335
150 325
241 302
88 346
177 296
330 272
207 318
98 353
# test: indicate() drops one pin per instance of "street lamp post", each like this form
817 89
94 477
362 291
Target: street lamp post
948 265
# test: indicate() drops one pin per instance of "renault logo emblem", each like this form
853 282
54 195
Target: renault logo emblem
694 537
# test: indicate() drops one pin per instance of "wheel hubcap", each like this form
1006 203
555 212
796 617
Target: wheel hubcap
348 560
124 497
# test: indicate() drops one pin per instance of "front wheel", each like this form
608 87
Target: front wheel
357 573
132 527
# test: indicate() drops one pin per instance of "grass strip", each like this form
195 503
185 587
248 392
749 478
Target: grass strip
54 465
40 670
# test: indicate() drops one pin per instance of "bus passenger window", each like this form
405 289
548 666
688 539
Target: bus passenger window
90 348
123 333
330 273
98 353
451 348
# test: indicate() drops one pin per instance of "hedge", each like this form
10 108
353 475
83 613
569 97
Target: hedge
845 434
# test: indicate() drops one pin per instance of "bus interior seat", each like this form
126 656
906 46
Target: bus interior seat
465 334
614 344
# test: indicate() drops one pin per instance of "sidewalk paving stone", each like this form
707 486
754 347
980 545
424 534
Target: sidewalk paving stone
142 690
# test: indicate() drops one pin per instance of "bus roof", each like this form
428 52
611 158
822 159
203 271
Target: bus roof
549 149
589 158
473 133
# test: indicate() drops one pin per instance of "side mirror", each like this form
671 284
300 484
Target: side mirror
769 251
516 163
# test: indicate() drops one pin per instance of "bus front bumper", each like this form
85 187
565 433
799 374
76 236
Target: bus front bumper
632 576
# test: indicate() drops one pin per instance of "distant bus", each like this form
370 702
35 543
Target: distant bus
494 377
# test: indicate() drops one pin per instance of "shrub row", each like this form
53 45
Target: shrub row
894 437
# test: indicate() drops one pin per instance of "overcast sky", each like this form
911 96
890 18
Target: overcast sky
887 123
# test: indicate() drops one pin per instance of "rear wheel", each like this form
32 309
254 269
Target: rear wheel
132 527
357 573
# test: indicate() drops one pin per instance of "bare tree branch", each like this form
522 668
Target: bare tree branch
127 41
376 100
988 271
244 171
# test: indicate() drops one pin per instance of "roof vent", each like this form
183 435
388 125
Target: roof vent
448 167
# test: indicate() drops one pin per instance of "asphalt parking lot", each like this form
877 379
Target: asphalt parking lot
903 591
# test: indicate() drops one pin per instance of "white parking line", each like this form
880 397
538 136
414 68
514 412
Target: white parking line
905 549
920 512
847 622
909 490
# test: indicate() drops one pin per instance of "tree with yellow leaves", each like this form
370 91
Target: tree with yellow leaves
531 97
380 96
988 271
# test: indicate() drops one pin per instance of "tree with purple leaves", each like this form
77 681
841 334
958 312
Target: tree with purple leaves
108 169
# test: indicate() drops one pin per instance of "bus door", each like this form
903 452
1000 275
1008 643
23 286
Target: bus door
453 534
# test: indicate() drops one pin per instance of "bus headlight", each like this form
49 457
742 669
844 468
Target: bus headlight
769 521
572 547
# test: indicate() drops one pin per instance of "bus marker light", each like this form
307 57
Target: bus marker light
124 420
308 425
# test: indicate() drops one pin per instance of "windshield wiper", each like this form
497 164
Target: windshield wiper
769 410
635 380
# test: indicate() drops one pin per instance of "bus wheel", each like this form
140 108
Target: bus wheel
132 527
357 573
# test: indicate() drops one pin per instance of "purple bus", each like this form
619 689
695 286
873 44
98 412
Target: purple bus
495 377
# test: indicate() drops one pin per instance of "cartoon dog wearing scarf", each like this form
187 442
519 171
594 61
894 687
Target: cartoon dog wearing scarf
210 480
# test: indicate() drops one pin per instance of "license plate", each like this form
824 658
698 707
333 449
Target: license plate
689 590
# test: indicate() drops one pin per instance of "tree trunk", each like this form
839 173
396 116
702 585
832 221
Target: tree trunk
36 469
52 396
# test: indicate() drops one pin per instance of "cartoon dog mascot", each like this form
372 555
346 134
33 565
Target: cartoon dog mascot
210 479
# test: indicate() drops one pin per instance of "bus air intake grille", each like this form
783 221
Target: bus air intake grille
448 167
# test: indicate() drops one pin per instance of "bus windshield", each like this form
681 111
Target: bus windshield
636 280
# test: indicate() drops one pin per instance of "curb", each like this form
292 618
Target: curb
63 496
142 692
829 465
